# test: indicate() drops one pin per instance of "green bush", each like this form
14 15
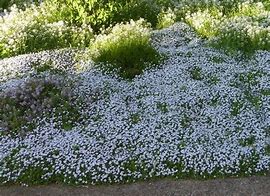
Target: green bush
244 28
40 30
242 35
5 4
66 23
126 48
226 7
102 14
166 18
55 35
205 22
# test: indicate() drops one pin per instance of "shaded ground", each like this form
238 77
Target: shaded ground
243 186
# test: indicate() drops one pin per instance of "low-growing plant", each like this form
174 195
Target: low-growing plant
38 97
127 48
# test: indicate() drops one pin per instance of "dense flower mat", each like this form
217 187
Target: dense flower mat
200 113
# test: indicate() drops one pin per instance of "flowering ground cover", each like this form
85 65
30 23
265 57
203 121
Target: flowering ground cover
179 97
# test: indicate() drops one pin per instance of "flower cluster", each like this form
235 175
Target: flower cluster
24 66
6 4
38 31
166 18
37 96
205 22
244 28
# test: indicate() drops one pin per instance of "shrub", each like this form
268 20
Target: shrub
38 31
102 14
226 7
244 28
127 48
205 22
242 34
5 4
166 18
66 23
56 35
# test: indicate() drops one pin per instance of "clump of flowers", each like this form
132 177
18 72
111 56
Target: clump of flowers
242 34
166 18
205 22
126 47
244 28
192 117
56 35
46 96
38 31
203 113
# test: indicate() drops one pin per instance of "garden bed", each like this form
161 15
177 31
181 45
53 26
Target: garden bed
182 109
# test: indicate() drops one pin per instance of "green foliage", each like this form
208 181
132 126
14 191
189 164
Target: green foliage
235 26
267 149
126 48
135 118
217 59
166 18
6 4
248 141
162 107
102 14
265 92
12 115
55 35
196 73
242 34
185 121
237 106
213 80
205 22
254 100
41 29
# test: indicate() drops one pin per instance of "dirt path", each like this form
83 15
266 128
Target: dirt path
245 186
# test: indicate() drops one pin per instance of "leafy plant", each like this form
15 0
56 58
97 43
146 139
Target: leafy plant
6 4
102 14
166 18
40 30
235 26
126 48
